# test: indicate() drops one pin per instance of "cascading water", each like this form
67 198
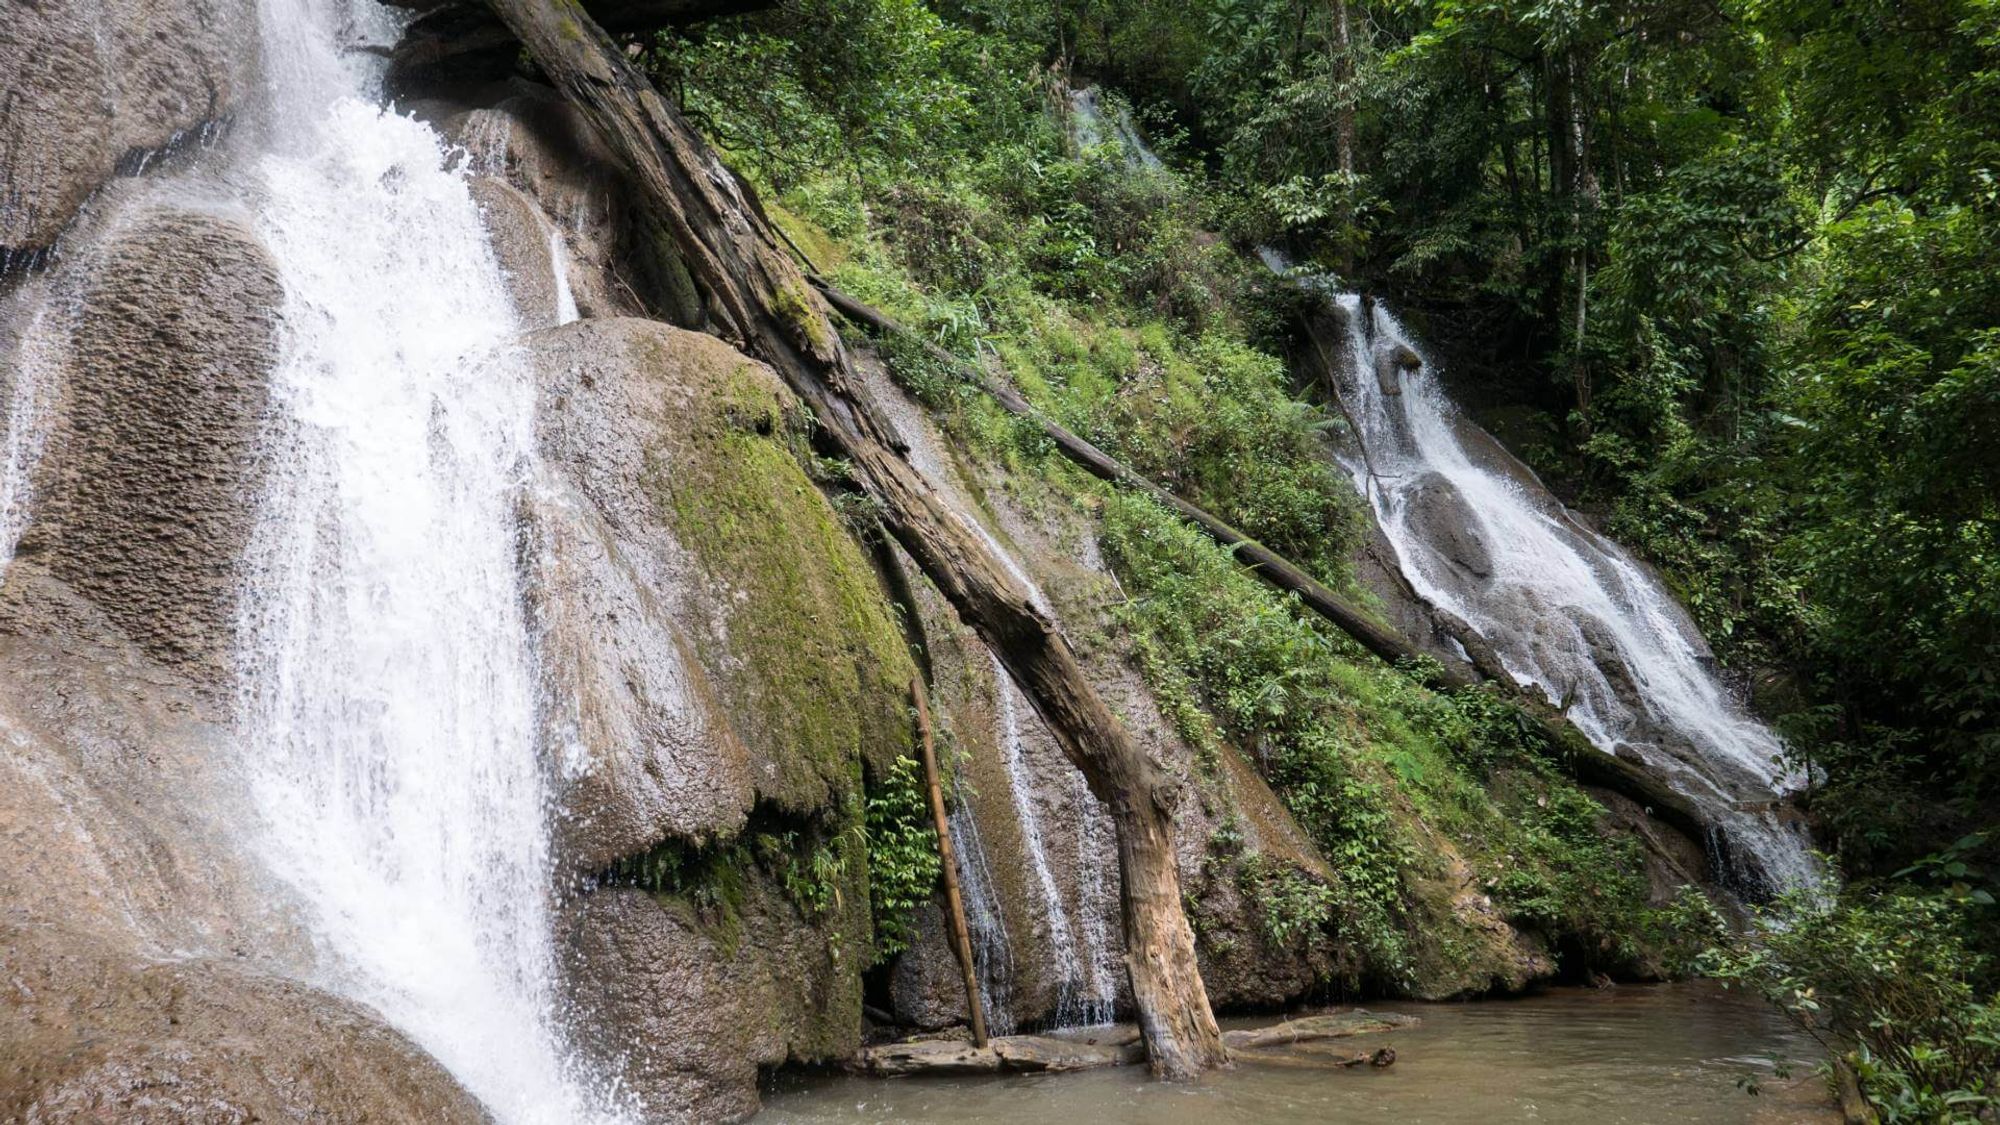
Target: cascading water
1565 609
1086 990
388 683
991 951
28 399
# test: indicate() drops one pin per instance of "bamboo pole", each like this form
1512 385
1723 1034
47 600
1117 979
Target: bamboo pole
961 938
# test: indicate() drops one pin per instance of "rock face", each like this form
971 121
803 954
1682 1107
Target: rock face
140 951
1442 516
1042 879
731 669
145 499
94 87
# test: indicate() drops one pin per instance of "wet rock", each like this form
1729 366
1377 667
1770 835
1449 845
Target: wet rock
925 989
144 952
684 1005
723 668
147 492
1392 363
528 135
1439 515
521 240
629 703
89 1033
94 87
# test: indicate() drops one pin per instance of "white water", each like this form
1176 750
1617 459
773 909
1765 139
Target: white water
1094 127
1550 581
35 362
992 953
388 686
1020 786
559 265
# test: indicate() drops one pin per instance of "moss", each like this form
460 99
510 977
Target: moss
809 653
797 308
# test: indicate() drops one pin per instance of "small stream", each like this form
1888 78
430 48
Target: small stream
1632 1055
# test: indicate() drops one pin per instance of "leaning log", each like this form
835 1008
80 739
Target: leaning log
754 295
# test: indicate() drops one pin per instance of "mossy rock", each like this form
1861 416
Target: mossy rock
802 641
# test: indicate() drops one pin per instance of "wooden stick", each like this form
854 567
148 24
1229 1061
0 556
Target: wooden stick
954 905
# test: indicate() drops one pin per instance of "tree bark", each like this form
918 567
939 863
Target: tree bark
755 296
961 937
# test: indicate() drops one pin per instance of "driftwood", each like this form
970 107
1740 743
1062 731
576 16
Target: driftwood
1381 1059
1120 1045
1592 766
1014 1054
1307 1029
753 294
961 938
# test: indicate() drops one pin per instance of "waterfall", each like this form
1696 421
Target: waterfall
1567 610
1086 107
388 685
1020 786
992 953
559 265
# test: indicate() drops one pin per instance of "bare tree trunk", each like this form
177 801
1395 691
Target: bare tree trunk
757 297
1343 70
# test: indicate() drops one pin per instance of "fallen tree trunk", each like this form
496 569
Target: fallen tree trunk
754 295
1591 765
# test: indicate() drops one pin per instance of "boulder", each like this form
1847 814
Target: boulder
149 964
94 1033
720 638
521 239
147 490
684 1004
1440 516
96 87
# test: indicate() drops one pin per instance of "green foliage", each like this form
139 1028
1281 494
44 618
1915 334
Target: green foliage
1293 905
1368 763
1889 981
903 863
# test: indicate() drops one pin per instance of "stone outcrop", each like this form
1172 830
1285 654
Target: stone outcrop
143 958
726 667
1055 545
147 492
94 1034
95 87
522 240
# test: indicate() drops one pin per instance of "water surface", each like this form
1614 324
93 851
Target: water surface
1671 1053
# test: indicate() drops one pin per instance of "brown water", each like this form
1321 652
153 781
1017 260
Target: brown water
1671 1053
